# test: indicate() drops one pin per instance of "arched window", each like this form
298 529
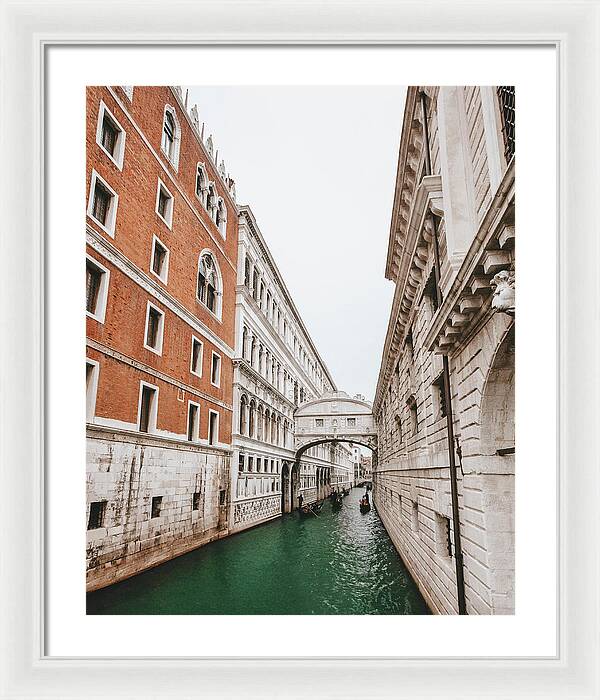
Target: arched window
251 418
171 136
267 425
260 421
243 415
201 180
221 217
211 199
247 272
209 285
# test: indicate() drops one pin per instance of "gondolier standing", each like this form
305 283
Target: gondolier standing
300 500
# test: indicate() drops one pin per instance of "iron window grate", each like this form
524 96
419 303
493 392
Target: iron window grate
506 99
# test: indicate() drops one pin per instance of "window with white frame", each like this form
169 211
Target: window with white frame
201 184
211 199
147 408
193 421
164 203
171 136
197 354
102 204
159 265
209 283
213 427
215 370
221 217
96 289
153 333
110 135
91 388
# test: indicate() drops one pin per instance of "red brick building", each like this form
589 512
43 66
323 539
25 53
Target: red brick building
162 245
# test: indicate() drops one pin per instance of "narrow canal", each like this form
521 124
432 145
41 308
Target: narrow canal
339 563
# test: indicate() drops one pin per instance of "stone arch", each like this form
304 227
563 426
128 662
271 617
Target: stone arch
497 414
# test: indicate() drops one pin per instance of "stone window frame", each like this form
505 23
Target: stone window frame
201 356
196 435
161 328
168 221
212 367
111 219
99 314
91 389
164 275
173 157
153 418
118 156
217 313
202 196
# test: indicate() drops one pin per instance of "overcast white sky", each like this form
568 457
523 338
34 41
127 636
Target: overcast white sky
317 165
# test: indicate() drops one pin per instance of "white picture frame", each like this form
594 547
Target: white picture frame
28 30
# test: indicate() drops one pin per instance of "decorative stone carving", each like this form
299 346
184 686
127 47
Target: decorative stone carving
503 284
209 146
222 170
195 117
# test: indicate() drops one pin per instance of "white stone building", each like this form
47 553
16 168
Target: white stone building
276 368
454 201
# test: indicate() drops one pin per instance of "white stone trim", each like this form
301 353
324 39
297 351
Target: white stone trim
211 412
119 155
219 366
201 356
161 327
174 158
100 313
171 205
109 227
91 390
154 409
162 277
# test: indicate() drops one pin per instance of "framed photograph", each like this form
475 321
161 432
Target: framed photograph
333 438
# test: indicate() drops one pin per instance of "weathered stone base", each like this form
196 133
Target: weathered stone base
127 470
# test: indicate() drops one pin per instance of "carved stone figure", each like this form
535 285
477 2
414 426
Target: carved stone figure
209 146
195 117
503 284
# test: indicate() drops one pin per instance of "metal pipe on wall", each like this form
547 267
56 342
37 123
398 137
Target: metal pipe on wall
458 555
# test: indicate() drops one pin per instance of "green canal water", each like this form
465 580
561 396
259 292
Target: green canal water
340 563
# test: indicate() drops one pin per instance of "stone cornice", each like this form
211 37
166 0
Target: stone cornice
470 293
245 367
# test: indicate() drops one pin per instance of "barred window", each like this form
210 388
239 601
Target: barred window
506 100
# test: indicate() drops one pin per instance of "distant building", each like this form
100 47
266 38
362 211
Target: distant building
162 245
454 201
276 369
366 467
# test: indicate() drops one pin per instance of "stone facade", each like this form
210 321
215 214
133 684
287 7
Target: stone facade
276 369
161 231
466 204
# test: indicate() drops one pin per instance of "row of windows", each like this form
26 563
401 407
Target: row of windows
148 408
102 209
97 515
259 465
111 136
262 423
254 486
349 422
256 284
97 281
264 361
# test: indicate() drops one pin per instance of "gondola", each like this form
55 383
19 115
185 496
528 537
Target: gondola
365 507
337 502
311 509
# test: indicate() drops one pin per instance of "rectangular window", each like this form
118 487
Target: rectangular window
351 422
110 135
154 329
319 422
506 100
193 423
197 354
164 204
196 500
91 388
97 513
96 289
156 506
241 463
213 427
147 410
250 464
102 204
215 371
160 260
259 464
222 497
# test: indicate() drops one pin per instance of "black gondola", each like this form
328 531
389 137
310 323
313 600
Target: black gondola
311 508
365 507
337 502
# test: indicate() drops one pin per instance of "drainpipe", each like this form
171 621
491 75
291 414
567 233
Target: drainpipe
458 555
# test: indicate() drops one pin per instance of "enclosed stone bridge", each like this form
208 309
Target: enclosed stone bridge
334 417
